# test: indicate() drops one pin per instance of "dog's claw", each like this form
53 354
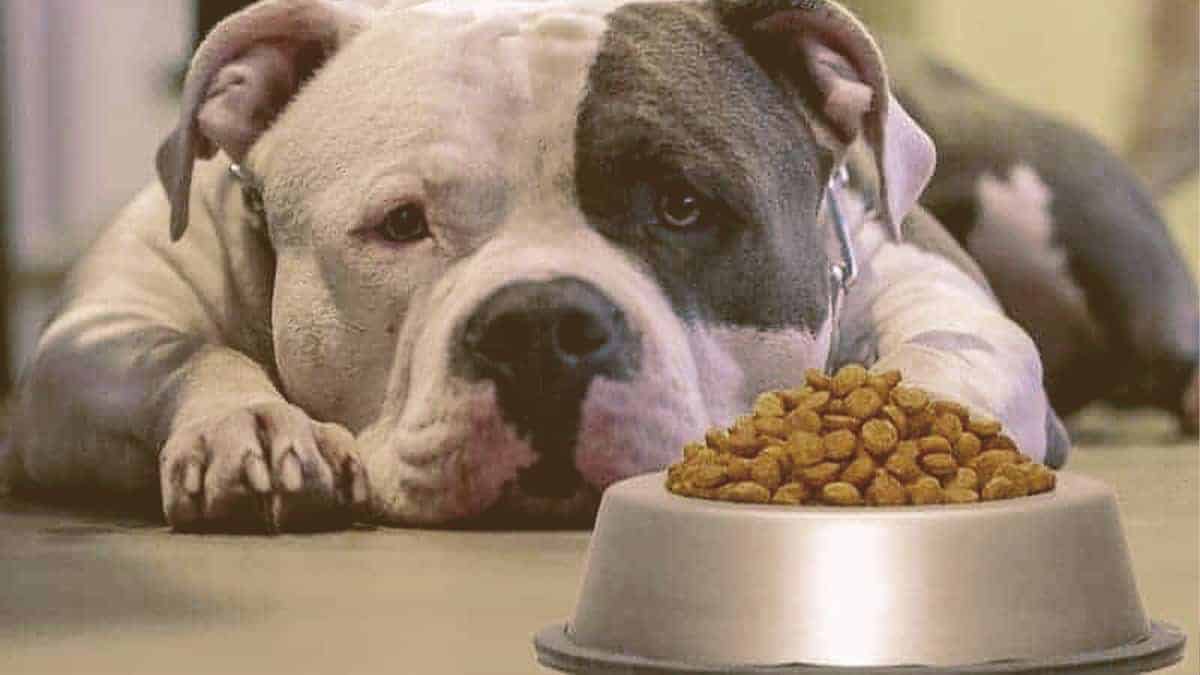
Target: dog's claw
358 484
257 474
290 474
193 479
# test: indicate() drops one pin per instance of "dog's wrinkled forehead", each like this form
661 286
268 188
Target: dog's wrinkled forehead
457 91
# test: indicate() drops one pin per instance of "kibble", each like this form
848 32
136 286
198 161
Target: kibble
956 410
791 494
967 447
775 427
806 448
841 494
780 455
983 427
860 471
815 401
840 444
879 437
963 478
792 396
1041 479
990 462
821 474
910 399
880 384
897 417
886 490
718 440
708 476
934 445
948 426
817 379
999 442
939 464
746 491
765 471
840 422
847 379
926 490
999 488
863 403
903 462
769 405
958 495
803 419
855 438
738 468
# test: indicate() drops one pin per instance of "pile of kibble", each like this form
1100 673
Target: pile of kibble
857 438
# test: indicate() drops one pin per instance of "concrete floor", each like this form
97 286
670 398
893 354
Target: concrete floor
85 594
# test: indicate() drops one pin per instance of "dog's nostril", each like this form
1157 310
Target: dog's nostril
580 334
504 339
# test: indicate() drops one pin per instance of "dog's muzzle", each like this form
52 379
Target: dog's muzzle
542 344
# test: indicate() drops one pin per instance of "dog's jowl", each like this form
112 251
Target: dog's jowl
506 255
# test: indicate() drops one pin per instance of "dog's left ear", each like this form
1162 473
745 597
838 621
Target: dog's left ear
242 76
839 62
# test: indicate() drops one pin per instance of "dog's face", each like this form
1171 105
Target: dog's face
527 250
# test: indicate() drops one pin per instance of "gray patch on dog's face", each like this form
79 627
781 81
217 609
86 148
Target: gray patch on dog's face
673 101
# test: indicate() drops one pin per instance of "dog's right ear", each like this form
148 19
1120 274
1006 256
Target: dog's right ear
824 46
242 76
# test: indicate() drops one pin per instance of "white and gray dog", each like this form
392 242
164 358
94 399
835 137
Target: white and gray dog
463 260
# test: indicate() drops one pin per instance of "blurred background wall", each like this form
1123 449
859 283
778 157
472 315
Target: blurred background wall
88 92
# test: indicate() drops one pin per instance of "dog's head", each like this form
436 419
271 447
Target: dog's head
525 250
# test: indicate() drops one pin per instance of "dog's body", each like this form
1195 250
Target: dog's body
508 254
1069 240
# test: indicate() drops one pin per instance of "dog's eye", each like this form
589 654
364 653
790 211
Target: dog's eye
404 224
680 207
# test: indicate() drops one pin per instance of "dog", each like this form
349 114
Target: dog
447 262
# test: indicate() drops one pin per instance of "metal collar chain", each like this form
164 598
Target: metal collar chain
844 273
251 194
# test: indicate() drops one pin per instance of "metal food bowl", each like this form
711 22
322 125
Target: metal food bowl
1037 584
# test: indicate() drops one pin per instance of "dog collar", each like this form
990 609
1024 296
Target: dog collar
251 194
844 273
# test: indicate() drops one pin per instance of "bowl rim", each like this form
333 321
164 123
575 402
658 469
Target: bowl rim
1161 647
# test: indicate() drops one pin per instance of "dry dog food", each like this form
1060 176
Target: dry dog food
857 438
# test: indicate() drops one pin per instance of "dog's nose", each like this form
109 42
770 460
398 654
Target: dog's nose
546 333
543 343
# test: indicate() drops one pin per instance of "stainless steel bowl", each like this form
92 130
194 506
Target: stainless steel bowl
707 585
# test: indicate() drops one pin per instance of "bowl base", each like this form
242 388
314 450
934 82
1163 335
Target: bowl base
1161 648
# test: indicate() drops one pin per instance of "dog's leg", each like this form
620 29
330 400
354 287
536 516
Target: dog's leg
916 311
161 357
160 368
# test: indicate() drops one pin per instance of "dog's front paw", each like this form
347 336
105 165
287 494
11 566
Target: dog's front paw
265 467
